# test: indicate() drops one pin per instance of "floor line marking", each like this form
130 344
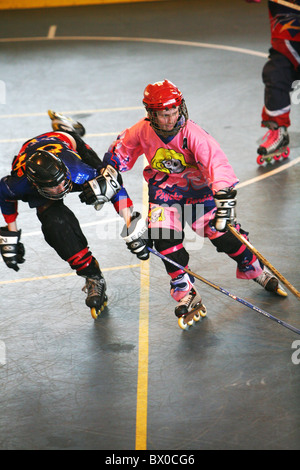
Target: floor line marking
52 31
269 173
24 139
77 111
54 276
88 224
142 381
147 40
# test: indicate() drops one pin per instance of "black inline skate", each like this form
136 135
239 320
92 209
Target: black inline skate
95 288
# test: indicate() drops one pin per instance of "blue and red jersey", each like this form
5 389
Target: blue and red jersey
16 187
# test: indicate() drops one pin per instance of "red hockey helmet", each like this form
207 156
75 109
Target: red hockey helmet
161 96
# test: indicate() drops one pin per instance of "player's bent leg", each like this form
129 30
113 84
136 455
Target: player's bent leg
248 265
63 233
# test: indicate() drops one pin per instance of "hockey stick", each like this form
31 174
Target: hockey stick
263 260
220 289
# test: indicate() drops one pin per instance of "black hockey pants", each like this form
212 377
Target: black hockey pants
63 233
278 76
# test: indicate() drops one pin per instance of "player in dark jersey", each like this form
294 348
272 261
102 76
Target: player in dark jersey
47 168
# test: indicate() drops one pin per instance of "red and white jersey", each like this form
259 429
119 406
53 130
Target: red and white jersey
285 20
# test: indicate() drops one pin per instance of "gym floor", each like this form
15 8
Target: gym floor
133 380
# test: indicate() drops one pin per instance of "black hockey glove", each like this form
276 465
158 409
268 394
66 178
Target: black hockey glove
225 200
101 189
136 236
12 250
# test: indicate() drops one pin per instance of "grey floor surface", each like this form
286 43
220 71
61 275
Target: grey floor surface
68 382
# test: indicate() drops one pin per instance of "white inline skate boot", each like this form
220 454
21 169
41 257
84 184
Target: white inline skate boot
96 300
65 124
270 282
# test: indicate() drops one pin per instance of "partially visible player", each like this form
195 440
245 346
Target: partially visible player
280 72
45 170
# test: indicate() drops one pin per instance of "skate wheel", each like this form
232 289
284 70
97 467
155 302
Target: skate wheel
95 313
260 160
184 326
200 314
281 291
277 157
203 311
286 153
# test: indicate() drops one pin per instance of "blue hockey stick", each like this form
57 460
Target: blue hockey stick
224 291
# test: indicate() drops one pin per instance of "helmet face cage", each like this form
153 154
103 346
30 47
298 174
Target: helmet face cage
181 122
165 96
66 188
45 171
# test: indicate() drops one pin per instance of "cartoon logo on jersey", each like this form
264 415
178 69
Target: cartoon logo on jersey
169 161
157 215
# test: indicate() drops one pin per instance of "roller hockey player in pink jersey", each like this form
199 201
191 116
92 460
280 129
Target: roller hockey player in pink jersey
186 168
45 170
281 71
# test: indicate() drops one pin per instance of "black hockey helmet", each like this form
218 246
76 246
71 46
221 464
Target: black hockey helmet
47 171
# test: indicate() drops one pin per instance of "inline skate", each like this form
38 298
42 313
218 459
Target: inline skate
95 288
190 309
274 144
65 124
270 282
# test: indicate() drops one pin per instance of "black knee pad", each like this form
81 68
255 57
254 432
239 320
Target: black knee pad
227 243
61 230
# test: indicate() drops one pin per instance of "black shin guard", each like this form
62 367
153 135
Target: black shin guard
227 243
235 249
180 255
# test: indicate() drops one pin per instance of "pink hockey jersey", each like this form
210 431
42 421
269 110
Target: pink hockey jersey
190 162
